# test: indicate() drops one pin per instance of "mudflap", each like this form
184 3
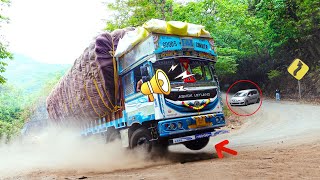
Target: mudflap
124 134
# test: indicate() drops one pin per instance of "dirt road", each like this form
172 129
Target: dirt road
281 141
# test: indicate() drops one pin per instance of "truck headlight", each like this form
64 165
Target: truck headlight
172 126
179 125
217 119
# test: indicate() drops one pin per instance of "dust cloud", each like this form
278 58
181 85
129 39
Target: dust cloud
59 149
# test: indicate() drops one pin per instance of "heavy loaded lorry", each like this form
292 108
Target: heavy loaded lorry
149 86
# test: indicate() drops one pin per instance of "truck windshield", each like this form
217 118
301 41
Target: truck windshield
195 70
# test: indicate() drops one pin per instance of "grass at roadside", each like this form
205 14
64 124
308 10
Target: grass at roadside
226 111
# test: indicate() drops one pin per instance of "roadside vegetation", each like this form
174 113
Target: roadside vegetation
17 107
5 55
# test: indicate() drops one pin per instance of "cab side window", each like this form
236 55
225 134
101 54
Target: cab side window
132 81
128 85
137 79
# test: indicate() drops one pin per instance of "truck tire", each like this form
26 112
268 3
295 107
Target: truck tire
197 144
140 138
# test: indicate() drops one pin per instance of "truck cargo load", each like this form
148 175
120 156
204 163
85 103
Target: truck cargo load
87 91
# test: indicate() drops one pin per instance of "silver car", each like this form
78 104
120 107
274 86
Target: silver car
245 97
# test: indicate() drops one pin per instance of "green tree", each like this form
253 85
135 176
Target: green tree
11 109
288 20
129 13
12 103
9 130
135 12
4 54
230 23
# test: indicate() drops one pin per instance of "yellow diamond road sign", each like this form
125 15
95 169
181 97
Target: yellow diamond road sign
298 69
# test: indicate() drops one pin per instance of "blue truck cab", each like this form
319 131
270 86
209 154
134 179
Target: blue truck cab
190 114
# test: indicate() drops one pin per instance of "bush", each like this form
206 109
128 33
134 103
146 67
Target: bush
9 130
273 74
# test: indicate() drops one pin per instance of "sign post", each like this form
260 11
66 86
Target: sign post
299 85
298 69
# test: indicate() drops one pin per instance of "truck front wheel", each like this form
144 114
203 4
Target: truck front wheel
197 144
140 138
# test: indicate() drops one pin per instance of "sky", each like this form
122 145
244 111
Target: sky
53 31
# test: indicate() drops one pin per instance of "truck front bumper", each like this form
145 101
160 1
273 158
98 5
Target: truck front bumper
186 126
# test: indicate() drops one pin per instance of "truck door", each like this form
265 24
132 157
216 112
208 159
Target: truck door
137 105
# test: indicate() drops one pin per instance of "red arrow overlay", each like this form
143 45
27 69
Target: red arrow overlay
220 147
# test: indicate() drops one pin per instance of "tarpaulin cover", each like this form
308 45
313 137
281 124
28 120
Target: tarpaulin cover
159 26
87 91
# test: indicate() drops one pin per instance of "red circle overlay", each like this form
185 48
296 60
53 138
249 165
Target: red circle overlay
248 81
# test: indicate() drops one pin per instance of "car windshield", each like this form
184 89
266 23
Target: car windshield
194 70
240 94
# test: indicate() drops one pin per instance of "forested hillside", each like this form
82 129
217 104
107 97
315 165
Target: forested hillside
28 82
255 39
30 75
